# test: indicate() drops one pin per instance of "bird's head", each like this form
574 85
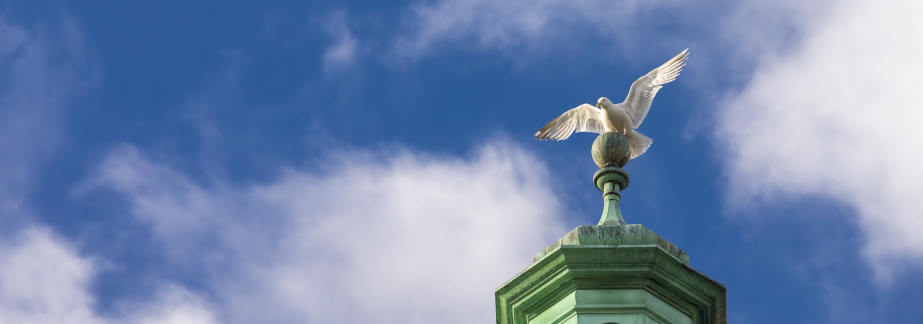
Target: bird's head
603 101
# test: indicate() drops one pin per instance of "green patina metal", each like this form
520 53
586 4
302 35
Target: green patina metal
600 284
611 181
612 272
615 236
611 149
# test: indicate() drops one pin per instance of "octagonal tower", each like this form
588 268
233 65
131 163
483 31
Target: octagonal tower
611 272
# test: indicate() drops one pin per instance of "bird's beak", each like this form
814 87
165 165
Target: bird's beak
597 105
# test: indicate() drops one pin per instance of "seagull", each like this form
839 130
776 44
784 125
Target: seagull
622 118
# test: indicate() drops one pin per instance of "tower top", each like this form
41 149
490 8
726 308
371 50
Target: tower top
612 272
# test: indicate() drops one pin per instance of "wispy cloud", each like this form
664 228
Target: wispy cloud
341 53
373 237
837 115
41 72
517 24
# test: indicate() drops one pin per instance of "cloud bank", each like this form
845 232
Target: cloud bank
838 116
370 237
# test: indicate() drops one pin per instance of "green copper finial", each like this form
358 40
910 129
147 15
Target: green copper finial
611 151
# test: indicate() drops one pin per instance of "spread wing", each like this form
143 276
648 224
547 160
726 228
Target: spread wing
643 90
583 118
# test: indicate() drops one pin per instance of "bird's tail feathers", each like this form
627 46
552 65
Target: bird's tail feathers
638 143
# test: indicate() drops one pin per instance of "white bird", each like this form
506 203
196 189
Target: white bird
623 117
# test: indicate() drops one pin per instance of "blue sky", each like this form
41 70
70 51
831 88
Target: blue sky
283 162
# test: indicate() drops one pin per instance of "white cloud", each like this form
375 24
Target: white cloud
173 305
44 280
487 24
384 238
839 116
342 52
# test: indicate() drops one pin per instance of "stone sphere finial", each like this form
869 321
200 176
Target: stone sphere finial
611 149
